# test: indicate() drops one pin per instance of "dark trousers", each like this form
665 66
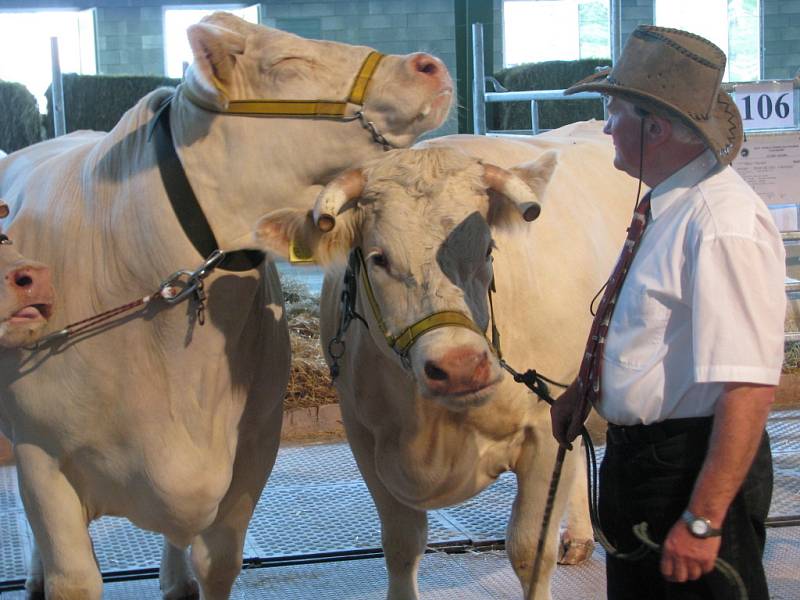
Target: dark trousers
647 474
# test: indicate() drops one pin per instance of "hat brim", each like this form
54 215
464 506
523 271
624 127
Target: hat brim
721 131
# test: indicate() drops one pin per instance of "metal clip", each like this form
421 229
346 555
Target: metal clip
177 287
200 298
181 284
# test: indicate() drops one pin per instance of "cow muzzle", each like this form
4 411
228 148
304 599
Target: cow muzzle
455 368
27 298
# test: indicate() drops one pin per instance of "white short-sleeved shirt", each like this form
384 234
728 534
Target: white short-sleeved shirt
703 303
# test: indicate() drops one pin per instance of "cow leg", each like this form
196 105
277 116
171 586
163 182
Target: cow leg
175 576
404 530
577 538
217 552
534 469
59 525
34 584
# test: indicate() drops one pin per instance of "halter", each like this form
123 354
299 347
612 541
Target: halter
401 343
316 109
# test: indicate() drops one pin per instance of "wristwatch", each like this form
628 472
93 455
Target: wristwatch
699 527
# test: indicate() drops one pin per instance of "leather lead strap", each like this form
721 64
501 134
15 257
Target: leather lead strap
184 202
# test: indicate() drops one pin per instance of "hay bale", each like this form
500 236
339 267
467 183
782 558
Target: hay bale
309 379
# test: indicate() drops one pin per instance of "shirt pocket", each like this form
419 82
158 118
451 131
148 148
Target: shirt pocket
636 334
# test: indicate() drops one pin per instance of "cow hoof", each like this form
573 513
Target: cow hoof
189 590
574 552
34 589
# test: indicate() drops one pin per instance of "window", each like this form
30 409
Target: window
178 19
539 30
733 25
26 37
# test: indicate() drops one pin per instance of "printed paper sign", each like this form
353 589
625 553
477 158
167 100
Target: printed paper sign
766 105
770 163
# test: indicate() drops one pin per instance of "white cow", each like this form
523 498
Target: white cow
152 417
433 425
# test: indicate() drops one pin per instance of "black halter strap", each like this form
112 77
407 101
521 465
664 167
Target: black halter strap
184 202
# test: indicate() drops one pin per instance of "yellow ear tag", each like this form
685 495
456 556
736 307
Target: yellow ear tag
298 253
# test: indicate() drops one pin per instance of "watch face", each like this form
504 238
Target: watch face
699 527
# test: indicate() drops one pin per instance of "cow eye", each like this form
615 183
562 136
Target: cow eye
379 259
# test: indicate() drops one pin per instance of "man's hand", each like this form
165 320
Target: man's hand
568 413
685 557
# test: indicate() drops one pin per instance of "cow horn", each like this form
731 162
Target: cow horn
334 196
512 187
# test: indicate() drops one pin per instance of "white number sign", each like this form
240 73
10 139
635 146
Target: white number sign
766 105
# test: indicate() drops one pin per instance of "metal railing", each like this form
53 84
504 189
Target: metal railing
480 97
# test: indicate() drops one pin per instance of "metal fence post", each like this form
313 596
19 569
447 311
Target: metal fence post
57 92
534 117
479 83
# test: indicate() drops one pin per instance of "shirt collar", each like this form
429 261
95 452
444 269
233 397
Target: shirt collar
674 186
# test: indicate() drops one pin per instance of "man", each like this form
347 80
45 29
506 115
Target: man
684 358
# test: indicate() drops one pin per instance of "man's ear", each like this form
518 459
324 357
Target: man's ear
657 129
215 50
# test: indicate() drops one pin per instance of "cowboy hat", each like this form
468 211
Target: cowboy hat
670 72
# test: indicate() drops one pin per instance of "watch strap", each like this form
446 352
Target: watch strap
692 520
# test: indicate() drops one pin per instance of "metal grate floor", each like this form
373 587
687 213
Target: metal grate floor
315 501
470 576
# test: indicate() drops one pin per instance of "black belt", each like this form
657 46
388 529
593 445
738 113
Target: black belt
184 202
656 432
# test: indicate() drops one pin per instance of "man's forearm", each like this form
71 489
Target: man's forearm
739 422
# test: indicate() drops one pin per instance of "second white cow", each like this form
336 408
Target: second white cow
430 414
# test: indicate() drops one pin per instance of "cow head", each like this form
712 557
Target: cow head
26 295
236 60
423 220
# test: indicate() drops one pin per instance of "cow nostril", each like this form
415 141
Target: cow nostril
433 372
23 280
428 67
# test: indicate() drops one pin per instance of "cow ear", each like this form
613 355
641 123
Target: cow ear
215 50
287 231
537 173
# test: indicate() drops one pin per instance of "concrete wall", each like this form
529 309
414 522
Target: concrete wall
130 40
632 14
781 38
130 34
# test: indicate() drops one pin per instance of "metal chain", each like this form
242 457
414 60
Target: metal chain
370 126
336 347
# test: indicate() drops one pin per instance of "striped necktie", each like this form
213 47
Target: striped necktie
591 366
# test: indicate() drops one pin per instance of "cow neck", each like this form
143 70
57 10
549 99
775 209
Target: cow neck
401 344
184 202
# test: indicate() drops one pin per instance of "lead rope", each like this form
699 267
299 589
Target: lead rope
173 290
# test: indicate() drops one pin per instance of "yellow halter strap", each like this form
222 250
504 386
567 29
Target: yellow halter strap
310 109
402 342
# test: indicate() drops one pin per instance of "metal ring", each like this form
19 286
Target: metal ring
339 346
